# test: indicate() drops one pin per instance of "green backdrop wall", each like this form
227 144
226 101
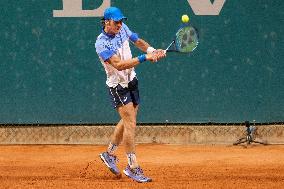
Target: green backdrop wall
50 73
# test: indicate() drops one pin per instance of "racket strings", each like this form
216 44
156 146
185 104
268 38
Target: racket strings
187 39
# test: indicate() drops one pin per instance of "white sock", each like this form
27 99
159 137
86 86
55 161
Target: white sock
111 148
132 162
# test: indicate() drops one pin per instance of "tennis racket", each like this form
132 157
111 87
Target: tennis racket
186 40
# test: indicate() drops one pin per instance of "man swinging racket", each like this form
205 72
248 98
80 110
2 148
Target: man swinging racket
112 47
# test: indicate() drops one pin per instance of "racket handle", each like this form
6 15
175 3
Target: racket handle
170 45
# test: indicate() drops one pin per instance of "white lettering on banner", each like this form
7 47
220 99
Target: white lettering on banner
74 8
205 7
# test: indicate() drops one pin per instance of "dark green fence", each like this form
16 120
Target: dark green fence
50 73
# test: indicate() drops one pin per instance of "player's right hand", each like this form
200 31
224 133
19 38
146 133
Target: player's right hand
156 55
160 53
151 57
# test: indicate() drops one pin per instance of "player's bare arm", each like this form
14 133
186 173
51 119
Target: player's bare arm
119 64
142 45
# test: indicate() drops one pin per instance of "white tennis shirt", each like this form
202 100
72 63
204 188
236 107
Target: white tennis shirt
108 45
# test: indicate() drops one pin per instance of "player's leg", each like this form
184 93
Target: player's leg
116 138
130 148
108 157
132 95
128 113
117 135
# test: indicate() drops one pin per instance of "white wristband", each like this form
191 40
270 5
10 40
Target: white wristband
150 50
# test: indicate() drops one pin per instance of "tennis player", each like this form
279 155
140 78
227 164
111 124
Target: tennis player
112 47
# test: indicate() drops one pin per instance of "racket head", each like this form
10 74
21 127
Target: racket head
186 40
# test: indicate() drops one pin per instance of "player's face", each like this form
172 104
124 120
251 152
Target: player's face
114 26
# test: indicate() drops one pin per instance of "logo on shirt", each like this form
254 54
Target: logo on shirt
124 99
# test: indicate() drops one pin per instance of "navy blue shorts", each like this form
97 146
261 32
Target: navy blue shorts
120 96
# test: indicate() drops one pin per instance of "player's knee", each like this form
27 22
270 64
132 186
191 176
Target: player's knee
130 124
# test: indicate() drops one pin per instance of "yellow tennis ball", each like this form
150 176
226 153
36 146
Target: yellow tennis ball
185 18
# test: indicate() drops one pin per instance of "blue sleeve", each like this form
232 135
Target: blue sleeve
132 36
103 51
106 54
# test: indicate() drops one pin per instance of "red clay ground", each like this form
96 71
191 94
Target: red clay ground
170 166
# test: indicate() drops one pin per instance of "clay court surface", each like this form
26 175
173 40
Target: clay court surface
170 166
